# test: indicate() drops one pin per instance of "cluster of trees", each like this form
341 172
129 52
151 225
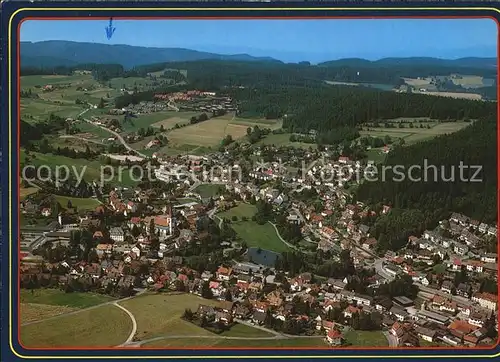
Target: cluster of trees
28 94
449 184
201 118
256 133
264 212
401 286
45 147
35 131
146 132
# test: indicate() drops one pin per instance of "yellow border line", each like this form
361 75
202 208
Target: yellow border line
190 9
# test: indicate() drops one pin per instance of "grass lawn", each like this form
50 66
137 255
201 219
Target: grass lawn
208 190
366 338
160 314
242 330
252 233
79 203
60 298
105 326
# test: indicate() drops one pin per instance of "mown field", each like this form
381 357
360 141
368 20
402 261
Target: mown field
104 326
252 233
416 134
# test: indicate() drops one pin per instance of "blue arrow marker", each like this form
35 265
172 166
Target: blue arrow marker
109 29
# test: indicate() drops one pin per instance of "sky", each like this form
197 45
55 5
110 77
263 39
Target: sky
288 40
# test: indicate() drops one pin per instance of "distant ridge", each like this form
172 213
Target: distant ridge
470 62
68 53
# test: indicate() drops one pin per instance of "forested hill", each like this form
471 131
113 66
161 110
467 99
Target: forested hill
324 108
419 205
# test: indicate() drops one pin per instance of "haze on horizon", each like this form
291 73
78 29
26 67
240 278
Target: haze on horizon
288 40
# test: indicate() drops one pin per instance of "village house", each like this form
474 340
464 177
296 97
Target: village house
224 273
486 300
334 337
116 234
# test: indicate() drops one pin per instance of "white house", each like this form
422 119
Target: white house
117 234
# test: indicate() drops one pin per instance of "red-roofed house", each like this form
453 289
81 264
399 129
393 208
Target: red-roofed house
224 273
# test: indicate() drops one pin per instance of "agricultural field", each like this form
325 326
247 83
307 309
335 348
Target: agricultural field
252 233
207 133
104 326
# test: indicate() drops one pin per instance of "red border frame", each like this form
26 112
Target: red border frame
254 18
